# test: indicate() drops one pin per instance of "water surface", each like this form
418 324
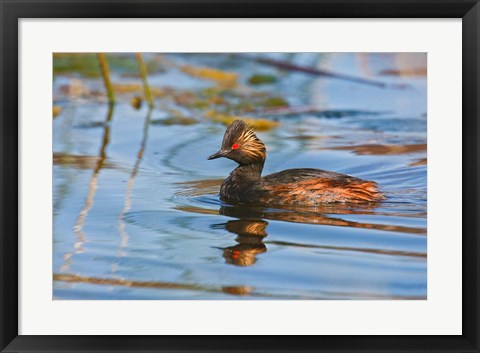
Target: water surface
136 207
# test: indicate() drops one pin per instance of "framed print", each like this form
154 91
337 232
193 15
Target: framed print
232 176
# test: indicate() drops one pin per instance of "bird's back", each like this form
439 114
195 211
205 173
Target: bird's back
299 175
311 187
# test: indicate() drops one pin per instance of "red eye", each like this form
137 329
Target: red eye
234 146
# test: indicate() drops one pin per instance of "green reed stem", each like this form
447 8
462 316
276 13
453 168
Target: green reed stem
102 60
143 73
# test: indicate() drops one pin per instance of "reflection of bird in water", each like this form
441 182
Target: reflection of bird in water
250 241
329 215
295 187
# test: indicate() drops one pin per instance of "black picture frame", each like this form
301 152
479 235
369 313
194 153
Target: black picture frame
12 11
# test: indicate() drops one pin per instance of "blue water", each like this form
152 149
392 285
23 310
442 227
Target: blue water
136 207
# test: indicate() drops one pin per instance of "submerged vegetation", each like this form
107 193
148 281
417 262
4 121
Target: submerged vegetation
221 102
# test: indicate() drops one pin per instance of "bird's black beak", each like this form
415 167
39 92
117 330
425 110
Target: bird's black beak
221 153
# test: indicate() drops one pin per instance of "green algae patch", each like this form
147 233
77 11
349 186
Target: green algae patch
87 65
273 102
82 64
260 79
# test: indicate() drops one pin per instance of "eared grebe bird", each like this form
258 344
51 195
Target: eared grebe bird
297 187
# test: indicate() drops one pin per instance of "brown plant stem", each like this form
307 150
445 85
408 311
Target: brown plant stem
284 65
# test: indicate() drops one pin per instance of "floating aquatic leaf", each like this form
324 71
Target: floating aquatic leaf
223 77
132 88
257 124
249 103
274 102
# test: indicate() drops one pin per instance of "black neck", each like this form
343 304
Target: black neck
249 172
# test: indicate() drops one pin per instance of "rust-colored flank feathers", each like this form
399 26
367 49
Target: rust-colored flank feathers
297 187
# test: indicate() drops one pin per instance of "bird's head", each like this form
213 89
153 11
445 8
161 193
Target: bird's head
241 145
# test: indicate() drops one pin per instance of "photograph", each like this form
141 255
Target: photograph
239 176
